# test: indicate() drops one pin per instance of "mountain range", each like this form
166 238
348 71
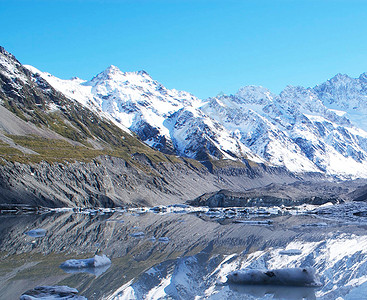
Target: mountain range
56 151
321 129
122 138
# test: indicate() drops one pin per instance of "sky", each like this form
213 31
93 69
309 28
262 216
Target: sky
204 47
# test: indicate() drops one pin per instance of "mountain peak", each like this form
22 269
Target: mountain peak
255 94
7 54
112 69
340 77
108 73
143 72
113 72
363 77
10 66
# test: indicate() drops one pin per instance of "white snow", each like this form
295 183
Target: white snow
76 89
125 292
159 291
340 113
9 68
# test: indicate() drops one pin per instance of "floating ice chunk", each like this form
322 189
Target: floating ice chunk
115 220
254 222
286 276
290 252
163 239
159 209
94 262
61 209
321 224
138 234
39 232
180 205
52 293
275 292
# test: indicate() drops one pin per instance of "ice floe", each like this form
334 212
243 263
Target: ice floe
163 239
139 234
94 262
273 292
254 222
52 293
39 232
287 276
319 224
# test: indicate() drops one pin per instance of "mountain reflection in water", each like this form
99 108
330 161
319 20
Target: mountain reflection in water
181 256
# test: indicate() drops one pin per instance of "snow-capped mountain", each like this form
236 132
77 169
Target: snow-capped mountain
303 129
132 99
348 96
294 129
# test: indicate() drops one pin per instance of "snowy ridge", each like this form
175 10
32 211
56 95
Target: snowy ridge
10 67
348 95
76 90
303 129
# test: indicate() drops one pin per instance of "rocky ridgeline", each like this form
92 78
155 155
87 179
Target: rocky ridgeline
292 194
112 182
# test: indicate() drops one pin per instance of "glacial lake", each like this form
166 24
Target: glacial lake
185 253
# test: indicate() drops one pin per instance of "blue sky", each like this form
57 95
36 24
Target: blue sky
204 47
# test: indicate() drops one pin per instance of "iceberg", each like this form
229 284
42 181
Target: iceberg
52 293
287 276
274 291
39 232
88 263
163 239
139 234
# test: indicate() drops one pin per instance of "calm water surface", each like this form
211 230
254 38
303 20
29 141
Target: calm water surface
181 255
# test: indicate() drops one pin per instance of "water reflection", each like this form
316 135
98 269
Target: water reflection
97 271
180 255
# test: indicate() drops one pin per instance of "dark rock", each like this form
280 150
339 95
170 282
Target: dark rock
297 193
